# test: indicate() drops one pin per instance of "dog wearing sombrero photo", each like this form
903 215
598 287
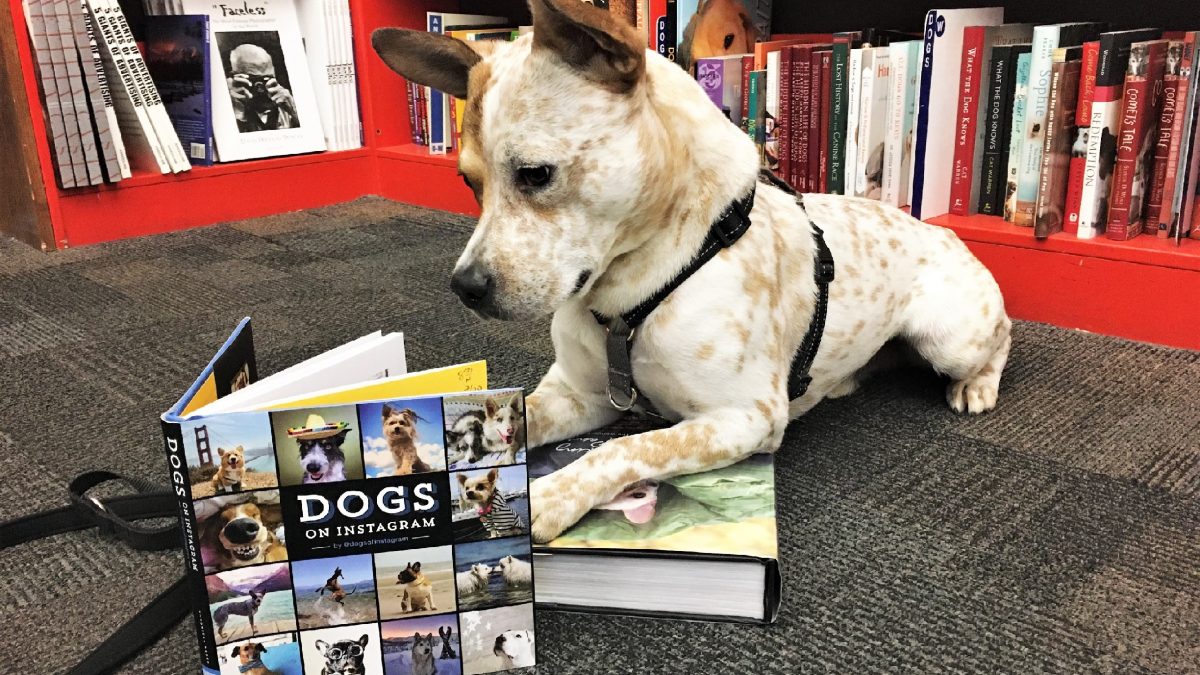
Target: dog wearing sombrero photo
317 445
680 278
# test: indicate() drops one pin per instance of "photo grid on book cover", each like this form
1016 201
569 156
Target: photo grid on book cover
458 608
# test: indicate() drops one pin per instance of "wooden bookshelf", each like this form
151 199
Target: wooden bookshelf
1142 289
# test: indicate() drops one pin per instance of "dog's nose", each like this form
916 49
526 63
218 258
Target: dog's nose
313 467
473 285
241 530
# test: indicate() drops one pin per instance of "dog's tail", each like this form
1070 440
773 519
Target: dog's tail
353 590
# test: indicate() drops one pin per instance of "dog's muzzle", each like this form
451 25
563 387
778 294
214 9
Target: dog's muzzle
476 288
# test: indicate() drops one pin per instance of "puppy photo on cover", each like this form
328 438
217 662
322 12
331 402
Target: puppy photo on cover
270 655
681 280
415 582
240 530
484 431
422 646
251 601
489 503
402 437
334 591
317 445
229 453
342 650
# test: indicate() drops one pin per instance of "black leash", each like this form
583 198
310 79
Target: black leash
733 222
116 517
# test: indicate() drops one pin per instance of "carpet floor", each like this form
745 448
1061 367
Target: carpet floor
1060 533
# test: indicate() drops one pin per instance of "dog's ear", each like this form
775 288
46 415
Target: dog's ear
341 437
493 475
490 407
387 411
363 640
605 49
237 651
322 646
220 452
437 61
462 479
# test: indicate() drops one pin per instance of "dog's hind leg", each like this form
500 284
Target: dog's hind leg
708 441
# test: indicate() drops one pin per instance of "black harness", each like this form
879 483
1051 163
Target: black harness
724 232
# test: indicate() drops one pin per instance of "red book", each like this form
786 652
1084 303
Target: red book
814 120
802 91
966 119
826 102
1162 194
783 126
1139 113
1083 118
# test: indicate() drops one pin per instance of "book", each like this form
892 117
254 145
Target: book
788 126
771 119
1187 173
813 117
1045 40
800 147
854 80
979 44
69 89
905 59
659 27
872 122
700 546
345 534
998 128
823 121
721 79
104 117
177 54
75 48
1020 100
838 107
942 49
326 34
1065 67
1083 116
719 28
1164 140
757 115
438 115
64 171
1131 172
1103 126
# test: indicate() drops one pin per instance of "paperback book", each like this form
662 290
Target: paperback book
177 54
335 521
700 546
1056 155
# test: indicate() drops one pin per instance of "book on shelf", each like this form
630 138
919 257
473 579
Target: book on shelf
1164 141
104 116
74 49
1131 171
721 79
52 100
1182 165
700 546
905 60
328 44
872 123
440 135
997 129
788 127
839 99
758 104
1016 128
1050 213
1089 64
935 133
812 114
854 80
979 45
823 126
177 54
329 517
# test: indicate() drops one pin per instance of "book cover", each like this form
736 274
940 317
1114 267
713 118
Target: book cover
998 128
942 49
1165 143
1056 155
105 117
711 28
1045 40
1083 116
824 125
838 107
814 119
723 514
1186 173
872 123
801 142
51 100
343 538
1131 172
177 54
1103 126
721 79
854 80
905 64
1020 96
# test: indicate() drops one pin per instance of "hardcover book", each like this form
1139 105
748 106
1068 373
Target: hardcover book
1083 116
1164 141
814 117
699 546
839 100
1020 98
1002 80
905 58
334 524
1184 216
872 122
1060 127
721 79
1131 172
177 54
823 121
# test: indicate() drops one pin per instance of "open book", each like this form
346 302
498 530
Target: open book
339 516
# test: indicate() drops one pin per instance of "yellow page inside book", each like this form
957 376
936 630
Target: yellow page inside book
449 380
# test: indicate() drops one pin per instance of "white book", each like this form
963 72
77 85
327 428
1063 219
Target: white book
141 142
854 87
36 25
112 145
62 82
905 59
771 147
872 125
65 13
251 52
316 26
933 163
354 114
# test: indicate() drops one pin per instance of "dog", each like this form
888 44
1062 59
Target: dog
423 662
718 28
516 572
484 494
237 536
400 428
464 438
344 657
229 474
418 590
444 632
504 427
335 588
592 214
515 649
473 580
321 454
241 379
249 657
247 607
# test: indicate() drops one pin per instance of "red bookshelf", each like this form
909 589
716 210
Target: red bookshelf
1142 289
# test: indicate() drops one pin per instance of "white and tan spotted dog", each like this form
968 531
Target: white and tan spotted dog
599 167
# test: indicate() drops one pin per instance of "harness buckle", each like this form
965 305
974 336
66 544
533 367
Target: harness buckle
623 406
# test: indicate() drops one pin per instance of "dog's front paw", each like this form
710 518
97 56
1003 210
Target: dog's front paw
554 507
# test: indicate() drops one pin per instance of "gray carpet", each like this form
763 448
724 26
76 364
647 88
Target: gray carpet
1058 534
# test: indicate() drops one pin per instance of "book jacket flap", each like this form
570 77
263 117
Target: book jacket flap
233 367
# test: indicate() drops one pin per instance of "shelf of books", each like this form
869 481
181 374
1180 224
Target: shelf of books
1065 154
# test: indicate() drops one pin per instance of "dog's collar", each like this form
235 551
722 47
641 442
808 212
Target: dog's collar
256 663
724 232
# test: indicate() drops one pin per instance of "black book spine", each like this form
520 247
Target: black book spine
996 132
671 32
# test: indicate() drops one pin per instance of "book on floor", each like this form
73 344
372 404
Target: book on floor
700 546
333 515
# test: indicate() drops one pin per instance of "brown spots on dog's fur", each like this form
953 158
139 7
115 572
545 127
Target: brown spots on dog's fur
894 243
705 351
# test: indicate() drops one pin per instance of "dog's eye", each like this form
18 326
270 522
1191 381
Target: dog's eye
728 41
535 176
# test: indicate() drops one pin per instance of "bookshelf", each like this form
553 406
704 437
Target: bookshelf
1141 289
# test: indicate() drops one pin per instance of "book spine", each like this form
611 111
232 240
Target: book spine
50 96
821 132
1164 142
921 124
747 68
894 138
436 114
116 161
812 110
658 21
860 186
1083 116
66 97
1060 124
670 30
1124 211
1017 128
803 143
837 116
967 121
753 96
1045 41
785 125
79 93
413 126
854 98
193 564
995 136
1186 121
